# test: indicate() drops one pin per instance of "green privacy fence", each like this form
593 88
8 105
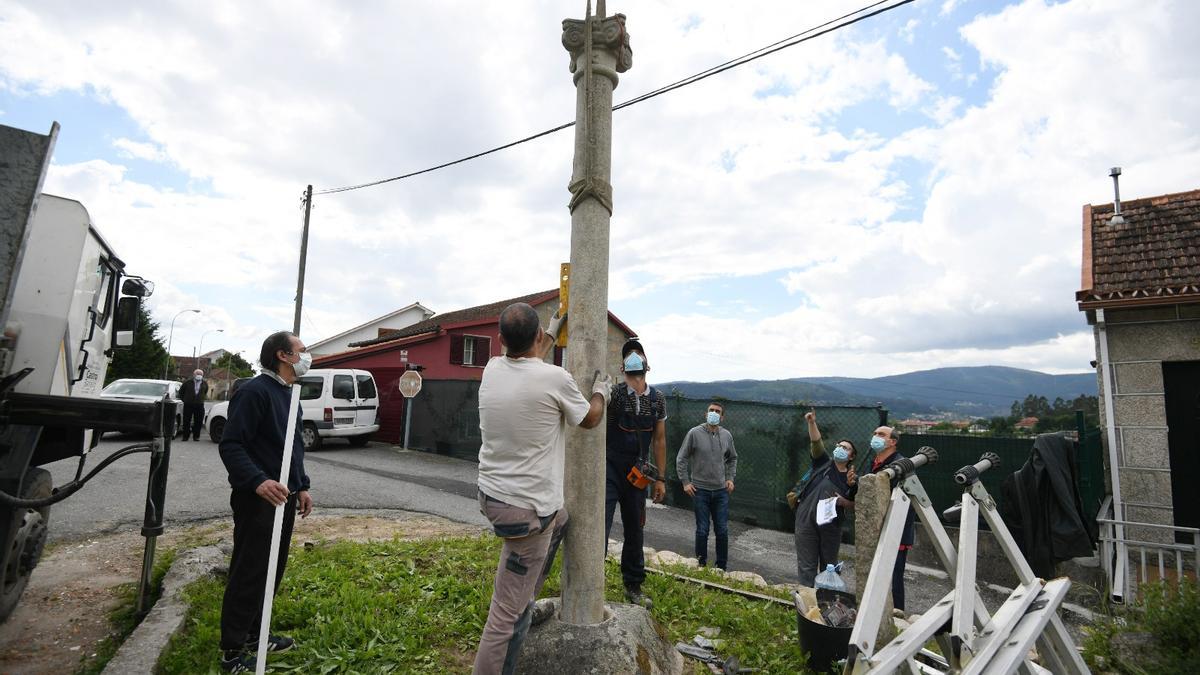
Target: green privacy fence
958 450
772 445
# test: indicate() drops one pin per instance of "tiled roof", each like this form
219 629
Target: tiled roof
1151 258
477 313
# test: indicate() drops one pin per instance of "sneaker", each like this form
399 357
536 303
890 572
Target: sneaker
636 597
237 661
275 644
542 610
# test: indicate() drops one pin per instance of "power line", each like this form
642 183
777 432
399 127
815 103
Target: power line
801 37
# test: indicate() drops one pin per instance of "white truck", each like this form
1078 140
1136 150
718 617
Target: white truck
66 303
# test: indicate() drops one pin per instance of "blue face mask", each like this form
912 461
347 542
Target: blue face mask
841 454
877 443
634 363
713 417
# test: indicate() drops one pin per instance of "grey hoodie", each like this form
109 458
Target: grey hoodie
707 459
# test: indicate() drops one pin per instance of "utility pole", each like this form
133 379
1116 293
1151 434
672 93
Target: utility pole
599 49
303 260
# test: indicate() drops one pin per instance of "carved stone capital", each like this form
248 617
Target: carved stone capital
608 33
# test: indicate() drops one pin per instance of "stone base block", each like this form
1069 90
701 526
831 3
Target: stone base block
629 640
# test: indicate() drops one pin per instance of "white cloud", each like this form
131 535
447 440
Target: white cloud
135 150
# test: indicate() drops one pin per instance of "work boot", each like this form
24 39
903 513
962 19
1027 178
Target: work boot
542 610
634 596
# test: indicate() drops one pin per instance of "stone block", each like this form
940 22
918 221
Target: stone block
1139 378
1173 341
1146 487
1149 514
629 640
1140 411
1145 448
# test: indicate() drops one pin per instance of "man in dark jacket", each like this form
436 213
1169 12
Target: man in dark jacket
252 450
192 393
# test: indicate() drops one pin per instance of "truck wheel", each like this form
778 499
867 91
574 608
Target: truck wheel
24 548
216 429
312 440
360 441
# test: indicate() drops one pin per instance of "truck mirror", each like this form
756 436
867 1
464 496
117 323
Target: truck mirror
137 287
125 321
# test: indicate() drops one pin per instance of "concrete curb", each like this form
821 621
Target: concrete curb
142 649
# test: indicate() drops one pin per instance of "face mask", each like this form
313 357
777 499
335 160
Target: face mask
841 454
197 377
634 363
713 417
877 443
301 367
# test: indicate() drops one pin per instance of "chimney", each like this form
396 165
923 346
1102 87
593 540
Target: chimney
1117 219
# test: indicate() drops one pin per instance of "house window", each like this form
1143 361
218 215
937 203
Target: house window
470 350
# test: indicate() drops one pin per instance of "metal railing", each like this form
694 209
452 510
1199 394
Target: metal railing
1126 544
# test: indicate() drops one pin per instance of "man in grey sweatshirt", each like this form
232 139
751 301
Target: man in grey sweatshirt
707 465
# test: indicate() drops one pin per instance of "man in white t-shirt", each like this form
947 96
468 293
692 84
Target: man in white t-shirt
525 405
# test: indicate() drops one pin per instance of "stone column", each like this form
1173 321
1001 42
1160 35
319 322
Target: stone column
870 508
599 49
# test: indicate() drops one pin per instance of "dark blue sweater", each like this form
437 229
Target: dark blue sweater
252 443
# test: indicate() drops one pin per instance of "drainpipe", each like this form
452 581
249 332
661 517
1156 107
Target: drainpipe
1121 570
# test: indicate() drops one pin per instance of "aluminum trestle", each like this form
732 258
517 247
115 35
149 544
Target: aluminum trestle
972 641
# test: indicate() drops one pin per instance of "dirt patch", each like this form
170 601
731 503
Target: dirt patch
64 613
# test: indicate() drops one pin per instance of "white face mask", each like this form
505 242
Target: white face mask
197 377
301 367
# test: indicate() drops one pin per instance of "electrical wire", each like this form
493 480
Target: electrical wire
801 37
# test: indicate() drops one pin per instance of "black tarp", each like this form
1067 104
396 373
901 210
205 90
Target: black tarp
1042 507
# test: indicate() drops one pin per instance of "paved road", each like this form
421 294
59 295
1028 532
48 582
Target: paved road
383 477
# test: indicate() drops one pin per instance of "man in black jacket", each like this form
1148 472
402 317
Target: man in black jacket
192 393
252 450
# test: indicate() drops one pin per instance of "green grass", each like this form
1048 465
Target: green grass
419 606
1170 613
123 618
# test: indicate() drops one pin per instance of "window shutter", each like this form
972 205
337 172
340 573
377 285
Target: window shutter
483 350
456 349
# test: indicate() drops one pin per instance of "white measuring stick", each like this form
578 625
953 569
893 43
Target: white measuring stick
260 663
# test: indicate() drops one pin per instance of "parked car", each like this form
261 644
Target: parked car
336 402
129 389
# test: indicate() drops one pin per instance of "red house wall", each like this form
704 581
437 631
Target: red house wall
434 354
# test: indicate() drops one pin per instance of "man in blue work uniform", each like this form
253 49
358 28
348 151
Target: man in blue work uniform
637 416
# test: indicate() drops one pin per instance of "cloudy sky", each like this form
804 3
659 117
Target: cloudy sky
900 195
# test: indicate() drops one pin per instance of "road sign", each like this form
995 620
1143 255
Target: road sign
410 383
403 356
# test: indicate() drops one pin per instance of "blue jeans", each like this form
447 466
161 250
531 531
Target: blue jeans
714 505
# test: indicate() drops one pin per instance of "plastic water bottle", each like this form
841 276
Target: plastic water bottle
830 579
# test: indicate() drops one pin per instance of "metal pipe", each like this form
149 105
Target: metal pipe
1118 580
970 474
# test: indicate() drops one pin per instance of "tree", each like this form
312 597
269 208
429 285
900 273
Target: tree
235 363
147 356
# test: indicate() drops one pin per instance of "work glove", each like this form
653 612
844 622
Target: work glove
603 386
791 499
556 323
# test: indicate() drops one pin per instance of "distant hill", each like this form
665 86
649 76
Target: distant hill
981 391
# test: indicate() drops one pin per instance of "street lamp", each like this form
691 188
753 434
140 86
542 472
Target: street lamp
171 336
196 357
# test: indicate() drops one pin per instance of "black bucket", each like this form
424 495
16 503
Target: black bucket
824 644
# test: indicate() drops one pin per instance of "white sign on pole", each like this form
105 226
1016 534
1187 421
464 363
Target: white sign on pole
410 383
403 356
276 535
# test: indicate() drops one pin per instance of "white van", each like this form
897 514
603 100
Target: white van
337 403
